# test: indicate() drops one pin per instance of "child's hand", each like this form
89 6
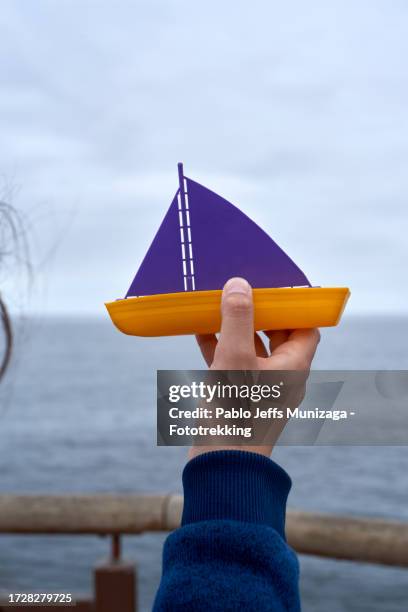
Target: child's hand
238 348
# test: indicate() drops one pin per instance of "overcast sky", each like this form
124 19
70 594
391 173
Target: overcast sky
295 111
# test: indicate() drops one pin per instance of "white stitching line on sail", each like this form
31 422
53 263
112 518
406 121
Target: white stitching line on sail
186 249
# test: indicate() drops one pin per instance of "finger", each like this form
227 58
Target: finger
276 338
260 347
298 351
237 326
207 344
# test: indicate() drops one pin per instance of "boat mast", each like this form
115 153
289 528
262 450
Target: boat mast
181 185
185 234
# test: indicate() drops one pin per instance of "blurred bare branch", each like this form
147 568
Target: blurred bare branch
14 256
8 333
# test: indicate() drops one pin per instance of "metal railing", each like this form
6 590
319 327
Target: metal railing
367 540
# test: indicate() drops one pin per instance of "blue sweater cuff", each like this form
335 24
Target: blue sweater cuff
235 485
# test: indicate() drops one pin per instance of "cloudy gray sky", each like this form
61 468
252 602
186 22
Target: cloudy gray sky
295 111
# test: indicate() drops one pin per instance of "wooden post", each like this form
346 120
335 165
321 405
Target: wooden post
115 583
115 587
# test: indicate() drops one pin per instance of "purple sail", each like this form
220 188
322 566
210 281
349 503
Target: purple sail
161 270
203 241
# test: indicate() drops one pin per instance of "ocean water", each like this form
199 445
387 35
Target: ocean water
78 414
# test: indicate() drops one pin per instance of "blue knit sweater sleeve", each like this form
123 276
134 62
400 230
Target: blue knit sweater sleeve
230 552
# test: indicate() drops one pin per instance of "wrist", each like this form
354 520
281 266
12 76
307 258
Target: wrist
235 485
196 451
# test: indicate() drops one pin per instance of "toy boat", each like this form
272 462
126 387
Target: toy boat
202 242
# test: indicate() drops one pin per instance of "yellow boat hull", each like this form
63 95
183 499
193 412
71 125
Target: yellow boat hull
198 312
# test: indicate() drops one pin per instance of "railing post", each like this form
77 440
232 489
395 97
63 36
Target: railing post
115 582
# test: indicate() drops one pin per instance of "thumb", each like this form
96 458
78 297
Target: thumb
236 341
